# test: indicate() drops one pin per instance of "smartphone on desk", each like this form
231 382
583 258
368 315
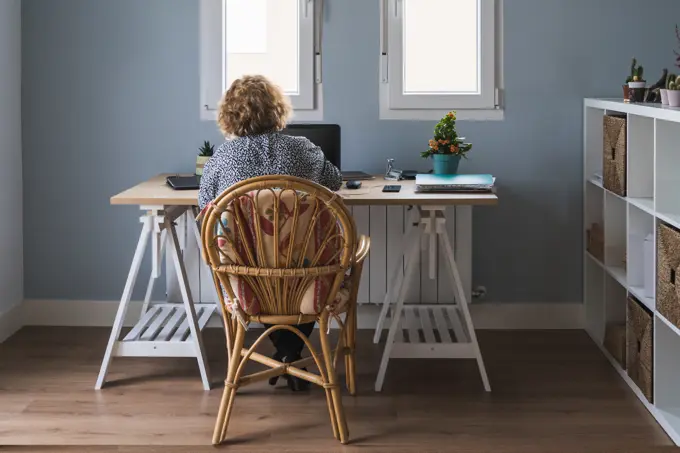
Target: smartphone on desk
391 189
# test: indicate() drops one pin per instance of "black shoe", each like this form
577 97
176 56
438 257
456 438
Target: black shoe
277 356
295 383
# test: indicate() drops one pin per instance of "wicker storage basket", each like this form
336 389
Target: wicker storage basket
640 351
614 154
595 243
615 342
668 269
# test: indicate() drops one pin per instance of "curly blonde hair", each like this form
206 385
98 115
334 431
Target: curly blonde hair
253 105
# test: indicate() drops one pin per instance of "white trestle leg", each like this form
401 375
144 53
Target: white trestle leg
163 329
449 321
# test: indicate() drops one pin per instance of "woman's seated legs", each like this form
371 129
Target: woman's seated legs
289 348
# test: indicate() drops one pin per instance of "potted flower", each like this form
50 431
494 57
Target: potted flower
636 83
674 92
205 152
446 147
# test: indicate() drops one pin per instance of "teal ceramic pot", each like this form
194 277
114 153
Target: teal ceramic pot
445 164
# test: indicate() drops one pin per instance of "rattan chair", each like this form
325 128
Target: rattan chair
284 251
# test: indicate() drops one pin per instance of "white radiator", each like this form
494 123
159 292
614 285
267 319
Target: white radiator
385 226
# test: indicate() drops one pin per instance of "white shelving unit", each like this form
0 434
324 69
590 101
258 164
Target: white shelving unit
653 197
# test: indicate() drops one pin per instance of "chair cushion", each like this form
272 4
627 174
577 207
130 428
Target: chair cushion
256 214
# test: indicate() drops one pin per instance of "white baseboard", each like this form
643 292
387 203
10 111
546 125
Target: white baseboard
492 316
11 321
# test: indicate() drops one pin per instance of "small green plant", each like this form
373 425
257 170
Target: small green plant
446 139
673 83
670 78
636 72
207 149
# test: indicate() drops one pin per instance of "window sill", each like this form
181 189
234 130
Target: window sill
436 115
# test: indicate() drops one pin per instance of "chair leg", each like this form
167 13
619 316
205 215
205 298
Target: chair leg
331 412
332 379
227 403
350 343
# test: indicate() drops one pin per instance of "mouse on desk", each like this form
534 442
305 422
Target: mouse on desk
353 184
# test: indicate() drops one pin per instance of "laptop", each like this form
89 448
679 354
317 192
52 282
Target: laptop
326 137
177 182
454 183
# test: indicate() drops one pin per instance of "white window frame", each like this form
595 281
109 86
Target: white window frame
487 105
307 105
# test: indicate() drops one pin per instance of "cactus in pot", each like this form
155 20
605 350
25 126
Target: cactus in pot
664 90
634 88
633 67
673 91
205 152
636 83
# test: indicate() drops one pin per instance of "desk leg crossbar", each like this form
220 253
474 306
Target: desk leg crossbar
447 329
166 329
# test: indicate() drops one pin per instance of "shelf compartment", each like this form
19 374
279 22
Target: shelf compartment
641 160
594 298
667 174
615 297
666 372
615 211
593 141
641 250
594 218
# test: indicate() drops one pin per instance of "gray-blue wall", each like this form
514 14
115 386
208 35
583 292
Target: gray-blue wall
111 95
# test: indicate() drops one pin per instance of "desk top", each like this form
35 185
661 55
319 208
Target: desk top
155 192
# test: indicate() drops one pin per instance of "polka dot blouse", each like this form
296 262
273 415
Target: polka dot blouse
265 154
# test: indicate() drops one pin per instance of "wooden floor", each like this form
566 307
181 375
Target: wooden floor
552 391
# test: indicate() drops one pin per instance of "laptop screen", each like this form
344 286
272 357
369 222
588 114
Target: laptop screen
325 136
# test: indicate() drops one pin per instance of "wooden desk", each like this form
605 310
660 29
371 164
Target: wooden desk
170 330
155 192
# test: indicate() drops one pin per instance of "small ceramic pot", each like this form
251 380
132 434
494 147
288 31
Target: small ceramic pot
626 93
446 164
664 96
200 163
674 98
637 91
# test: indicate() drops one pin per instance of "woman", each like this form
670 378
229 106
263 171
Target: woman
252 114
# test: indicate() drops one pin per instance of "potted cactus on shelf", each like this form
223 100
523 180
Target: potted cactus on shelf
205 152
664 91
636 83
674 91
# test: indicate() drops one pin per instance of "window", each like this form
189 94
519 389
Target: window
431 66
279 39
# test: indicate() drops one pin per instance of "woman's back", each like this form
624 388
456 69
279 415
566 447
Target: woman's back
265 154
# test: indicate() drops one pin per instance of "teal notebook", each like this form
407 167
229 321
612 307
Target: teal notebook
455 181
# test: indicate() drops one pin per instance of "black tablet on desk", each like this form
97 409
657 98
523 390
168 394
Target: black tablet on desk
177 182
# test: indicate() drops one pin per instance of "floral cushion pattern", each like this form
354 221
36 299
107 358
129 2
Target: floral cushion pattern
238 242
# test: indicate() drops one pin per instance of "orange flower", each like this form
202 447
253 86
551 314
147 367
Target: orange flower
452 148
432 143
435 147
446 142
